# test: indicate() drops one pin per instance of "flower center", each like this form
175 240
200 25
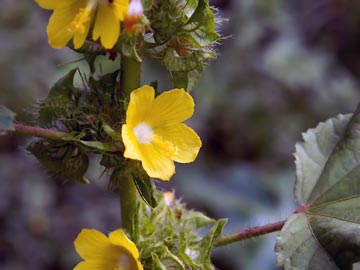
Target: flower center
78 23
124 263
144 133
82 17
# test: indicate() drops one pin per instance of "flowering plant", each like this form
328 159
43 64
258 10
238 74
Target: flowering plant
138 132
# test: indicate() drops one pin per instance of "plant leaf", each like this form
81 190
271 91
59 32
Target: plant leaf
6 120
312 155
62 159
57 103
296 246
146 188
325 236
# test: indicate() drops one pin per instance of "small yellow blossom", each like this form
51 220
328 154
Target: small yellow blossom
102 253
154 134
73 19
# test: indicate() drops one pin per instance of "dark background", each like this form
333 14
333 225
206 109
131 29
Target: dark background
283 67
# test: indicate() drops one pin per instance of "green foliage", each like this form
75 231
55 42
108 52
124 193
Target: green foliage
6 120
92 118
325 236
82 110
145 186
184 32
62 159
173 237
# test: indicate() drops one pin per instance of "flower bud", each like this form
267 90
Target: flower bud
134 15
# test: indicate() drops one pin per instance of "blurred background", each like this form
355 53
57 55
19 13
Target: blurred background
282 67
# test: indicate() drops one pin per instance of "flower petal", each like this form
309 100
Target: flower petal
131 145
107 26
93 245
59 23
155 163
139 265
120 239
48 4
95 265
79 38
171 107
120 8
185 140
141 100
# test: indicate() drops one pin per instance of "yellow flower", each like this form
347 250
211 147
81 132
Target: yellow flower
101 253
154 134
73 18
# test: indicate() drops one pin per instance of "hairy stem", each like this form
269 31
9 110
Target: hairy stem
128 202
130 75
38 132
249 233
130 80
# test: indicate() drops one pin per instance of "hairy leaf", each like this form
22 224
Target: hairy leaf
325 236
170 237
63 160
184 32
6 120
59 100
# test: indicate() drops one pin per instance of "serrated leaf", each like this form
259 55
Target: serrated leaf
201 25
328 188
186 70
63 160
57 102
183 34
196 219
207 244
169 239
297 248
6 120
312 155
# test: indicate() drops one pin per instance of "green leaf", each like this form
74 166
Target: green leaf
6 120
186 70
201 26
94 146
207 242
297 248
170 236
146 188
115 135
63 160
98 146
325 236
184 32
312 155
60 97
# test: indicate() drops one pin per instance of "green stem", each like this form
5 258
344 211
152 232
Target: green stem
130 80
128 202
130 75
249 233
38 132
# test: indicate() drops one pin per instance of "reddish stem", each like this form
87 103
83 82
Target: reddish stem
249 233
38 132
